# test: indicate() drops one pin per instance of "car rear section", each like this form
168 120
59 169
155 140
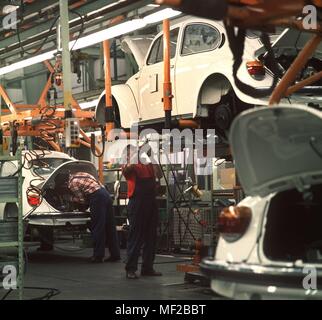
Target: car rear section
278 252
277 257
55 209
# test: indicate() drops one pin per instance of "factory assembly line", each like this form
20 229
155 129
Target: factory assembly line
167 149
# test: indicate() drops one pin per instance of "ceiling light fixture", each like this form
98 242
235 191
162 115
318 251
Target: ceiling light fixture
100 36
28 62
161 15
89 104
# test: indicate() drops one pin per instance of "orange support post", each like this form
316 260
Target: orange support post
304 83
42 100
110 125
108 87
294 69
100 160
87 143
167 87
49 66
24 107
75 104
101 169
7 100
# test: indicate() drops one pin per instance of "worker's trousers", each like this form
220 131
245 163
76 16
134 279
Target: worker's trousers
143 218
103 226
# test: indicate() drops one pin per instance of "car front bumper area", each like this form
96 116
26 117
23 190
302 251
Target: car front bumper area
250 281
59 219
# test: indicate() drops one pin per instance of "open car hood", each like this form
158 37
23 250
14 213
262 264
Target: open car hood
138 46
63 203
290 42
277 148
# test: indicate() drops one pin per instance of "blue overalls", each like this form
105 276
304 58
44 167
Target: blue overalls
103 226
143 218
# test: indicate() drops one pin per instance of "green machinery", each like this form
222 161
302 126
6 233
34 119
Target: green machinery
12 230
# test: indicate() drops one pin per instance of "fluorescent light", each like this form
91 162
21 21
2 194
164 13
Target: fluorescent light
89 104
108 33
87 41
161 15
27 62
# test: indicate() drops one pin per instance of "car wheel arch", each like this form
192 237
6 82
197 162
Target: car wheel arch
218 95
116 109
212 89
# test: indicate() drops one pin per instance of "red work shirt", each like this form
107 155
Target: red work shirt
141 171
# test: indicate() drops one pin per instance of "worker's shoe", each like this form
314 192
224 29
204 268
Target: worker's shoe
97 259
131 275
112 259
150 273
45 247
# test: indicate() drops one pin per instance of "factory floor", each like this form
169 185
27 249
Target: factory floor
67 269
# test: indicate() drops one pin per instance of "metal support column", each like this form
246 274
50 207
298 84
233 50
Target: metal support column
108 87
21 264
169 208
12 232
64 34
167 87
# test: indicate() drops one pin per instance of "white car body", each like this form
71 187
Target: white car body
278 155
201 79
198 79
45 214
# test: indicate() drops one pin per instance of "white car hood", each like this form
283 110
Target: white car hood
273 150
138 46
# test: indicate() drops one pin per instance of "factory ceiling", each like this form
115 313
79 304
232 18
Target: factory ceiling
29 27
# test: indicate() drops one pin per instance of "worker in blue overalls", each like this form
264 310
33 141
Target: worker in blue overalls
86 191
143 217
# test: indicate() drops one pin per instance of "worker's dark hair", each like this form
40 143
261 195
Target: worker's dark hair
61 179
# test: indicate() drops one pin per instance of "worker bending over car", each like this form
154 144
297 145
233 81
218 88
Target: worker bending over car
87 191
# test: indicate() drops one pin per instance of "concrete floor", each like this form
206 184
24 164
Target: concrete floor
77 279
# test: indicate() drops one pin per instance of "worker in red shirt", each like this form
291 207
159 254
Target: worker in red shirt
86 190
143 217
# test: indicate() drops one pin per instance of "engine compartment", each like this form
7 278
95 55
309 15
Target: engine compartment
57 194
62 201
313 66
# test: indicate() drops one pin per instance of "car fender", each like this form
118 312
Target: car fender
245 249
126 104
217 83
